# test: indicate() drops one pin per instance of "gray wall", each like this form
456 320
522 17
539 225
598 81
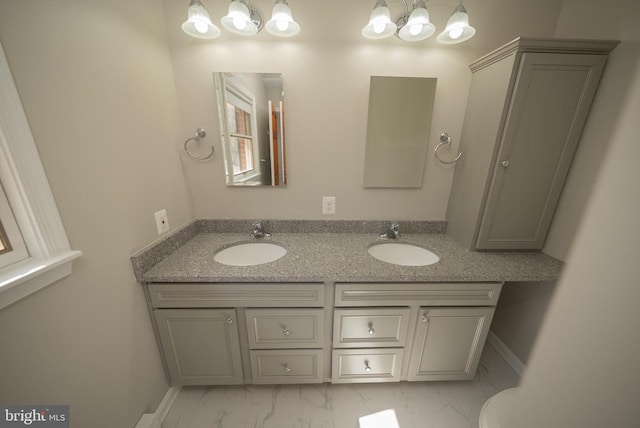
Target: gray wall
583 370
326 72
519 314
522 308
96 83
110 89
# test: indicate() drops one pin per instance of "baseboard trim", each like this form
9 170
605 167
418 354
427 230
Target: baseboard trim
506 353
154 420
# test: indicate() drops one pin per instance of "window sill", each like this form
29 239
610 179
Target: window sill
26 277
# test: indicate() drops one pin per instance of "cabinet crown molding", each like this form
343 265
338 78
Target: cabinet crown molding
545 45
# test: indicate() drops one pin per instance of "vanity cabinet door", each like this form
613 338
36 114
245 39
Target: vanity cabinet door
545 119
527 106
448 343
200 346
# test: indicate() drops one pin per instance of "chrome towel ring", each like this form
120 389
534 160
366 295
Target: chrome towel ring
200 133
446 140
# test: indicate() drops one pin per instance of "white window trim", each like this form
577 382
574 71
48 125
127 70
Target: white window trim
32 202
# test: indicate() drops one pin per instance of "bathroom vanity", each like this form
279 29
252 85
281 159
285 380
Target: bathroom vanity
327 311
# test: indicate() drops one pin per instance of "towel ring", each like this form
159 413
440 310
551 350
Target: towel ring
200 133
445 140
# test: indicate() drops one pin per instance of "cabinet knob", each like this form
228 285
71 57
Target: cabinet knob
372 330
287 368
229 320
286 331
425 318
367 367
504 163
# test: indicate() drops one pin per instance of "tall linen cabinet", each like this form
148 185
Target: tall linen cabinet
526 110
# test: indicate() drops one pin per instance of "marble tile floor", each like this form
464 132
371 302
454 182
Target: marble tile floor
417 404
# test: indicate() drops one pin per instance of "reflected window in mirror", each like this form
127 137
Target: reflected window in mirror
251 119
241 126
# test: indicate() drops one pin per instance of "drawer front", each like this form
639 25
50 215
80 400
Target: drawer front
425 294
286 366
285 328
224 295
366 365
370 328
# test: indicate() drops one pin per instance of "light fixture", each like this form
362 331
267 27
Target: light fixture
198 23
416 26
281 23
458 29
380 25
242 20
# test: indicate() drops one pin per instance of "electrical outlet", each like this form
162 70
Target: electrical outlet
162 221
328 205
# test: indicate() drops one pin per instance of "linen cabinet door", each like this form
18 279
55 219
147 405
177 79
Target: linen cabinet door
448 343
200 346
545 119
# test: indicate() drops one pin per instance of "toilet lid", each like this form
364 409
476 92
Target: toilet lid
496 409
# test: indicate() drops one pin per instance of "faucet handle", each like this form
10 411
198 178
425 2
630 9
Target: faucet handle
391 230
258 230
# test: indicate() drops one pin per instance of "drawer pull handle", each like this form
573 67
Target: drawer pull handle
372 330
286 331
229 320
287 368
367 367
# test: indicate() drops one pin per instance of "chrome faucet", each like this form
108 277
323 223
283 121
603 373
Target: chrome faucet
258 230
391 230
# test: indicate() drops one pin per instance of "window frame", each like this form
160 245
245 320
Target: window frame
230 85
31 200
13 247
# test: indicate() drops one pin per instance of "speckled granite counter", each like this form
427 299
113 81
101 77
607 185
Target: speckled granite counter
337 257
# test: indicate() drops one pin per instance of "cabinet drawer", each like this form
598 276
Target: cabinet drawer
366 365
216 295
369 328
286 366
285 328
415 293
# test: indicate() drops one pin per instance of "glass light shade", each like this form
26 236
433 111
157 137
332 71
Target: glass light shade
198 23
418 26
281 23
458 29
238 19
380 25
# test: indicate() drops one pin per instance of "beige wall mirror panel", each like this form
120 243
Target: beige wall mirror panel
252 129
398 127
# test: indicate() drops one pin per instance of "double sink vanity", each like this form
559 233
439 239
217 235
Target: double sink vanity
326 307
337 301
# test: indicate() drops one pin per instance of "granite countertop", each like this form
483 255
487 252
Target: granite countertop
340 257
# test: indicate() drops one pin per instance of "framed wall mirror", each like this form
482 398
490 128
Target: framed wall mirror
398 128
251 120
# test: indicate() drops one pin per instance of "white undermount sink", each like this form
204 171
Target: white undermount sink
250 254
403 254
